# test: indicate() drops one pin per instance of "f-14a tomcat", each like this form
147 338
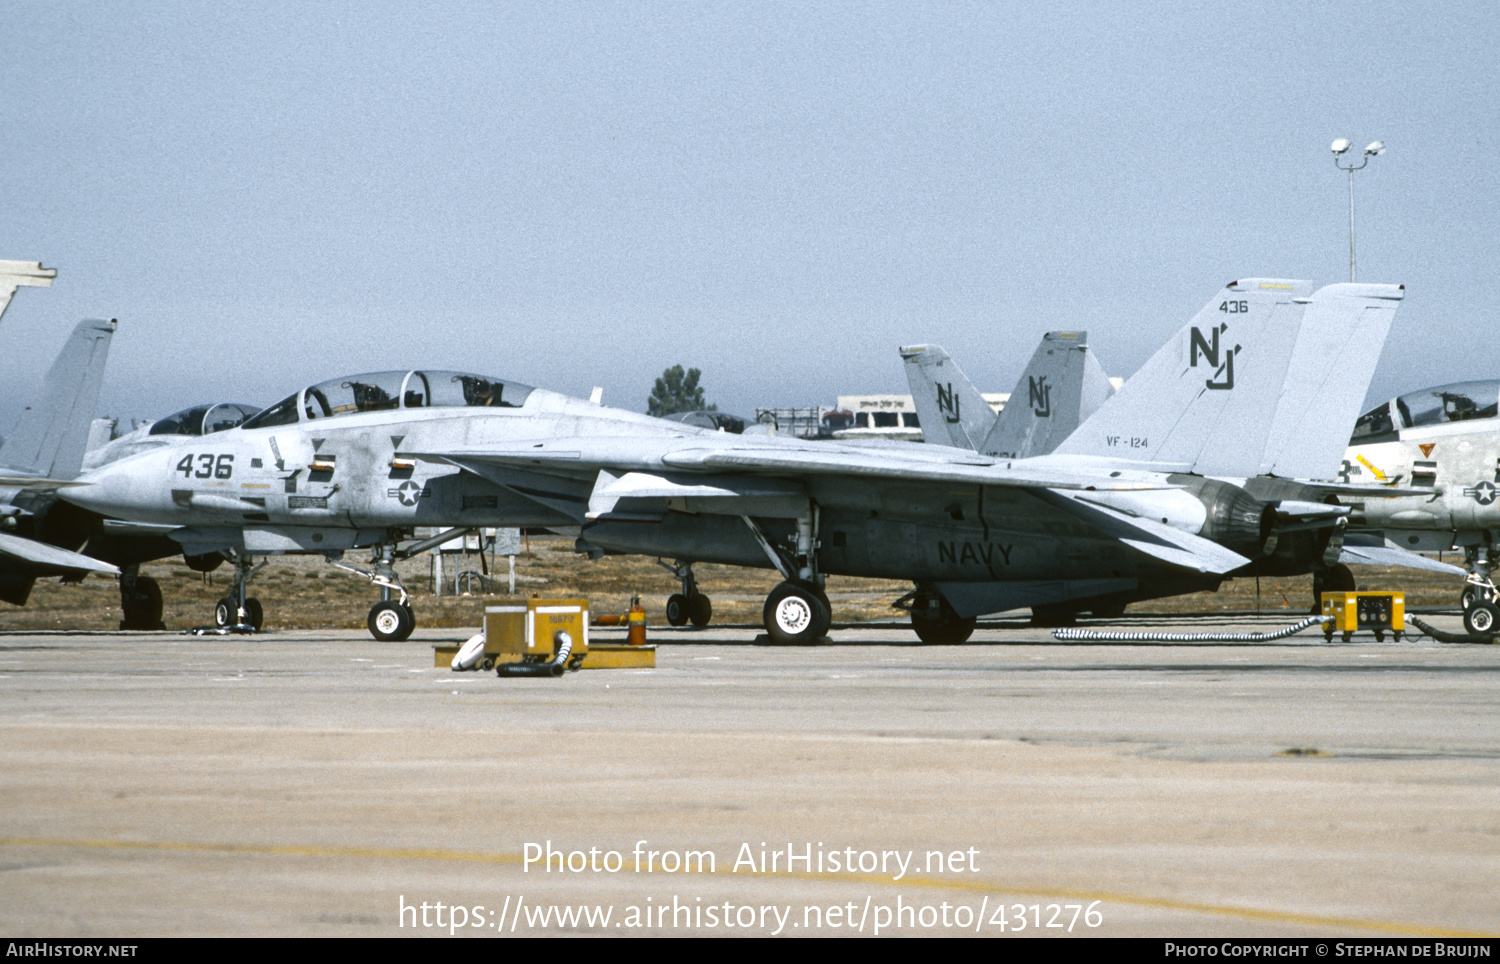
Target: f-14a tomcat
1183 476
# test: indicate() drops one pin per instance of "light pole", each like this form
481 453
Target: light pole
1341 147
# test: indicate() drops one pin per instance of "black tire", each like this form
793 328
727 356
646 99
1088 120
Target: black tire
795 616
1482 619
677 609
143 609
1340 578
946 630
390 622
226 613
700 610
255 615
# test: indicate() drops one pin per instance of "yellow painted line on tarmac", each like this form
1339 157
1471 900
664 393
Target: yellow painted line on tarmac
923 883
283 850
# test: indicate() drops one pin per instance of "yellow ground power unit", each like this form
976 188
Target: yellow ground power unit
536 637
1351 612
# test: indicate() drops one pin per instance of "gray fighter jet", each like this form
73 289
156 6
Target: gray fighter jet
1438 452
1063 385
1140 502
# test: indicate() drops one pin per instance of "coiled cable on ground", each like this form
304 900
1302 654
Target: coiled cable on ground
1105 636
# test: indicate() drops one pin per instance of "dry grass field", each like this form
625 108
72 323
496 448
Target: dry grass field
306 592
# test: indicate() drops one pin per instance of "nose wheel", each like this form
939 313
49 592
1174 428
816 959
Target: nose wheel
236 610
226 613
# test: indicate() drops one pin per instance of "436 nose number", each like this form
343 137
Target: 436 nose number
207 466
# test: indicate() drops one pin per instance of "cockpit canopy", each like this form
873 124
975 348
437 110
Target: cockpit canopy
1458 402
203 419
381 391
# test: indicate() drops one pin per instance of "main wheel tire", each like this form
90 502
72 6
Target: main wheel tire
255 615
226 613
677 609
700 610
1468 599
1340 578
143 609
390 622
794 615
947 629
1481 619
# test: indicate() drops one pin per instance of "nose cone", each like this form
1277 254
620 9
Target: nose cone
120 490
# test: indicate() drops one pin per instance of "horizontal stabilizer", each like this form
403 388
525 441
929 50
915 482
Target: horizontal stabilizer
1388 556
50 557
1152 538
1372 549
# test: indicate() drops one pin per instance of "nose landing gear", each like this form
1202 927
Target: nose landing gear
236 611
390 620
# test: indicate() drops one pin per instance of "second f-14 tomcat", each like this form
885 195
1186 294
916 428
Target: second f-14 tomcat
1135 505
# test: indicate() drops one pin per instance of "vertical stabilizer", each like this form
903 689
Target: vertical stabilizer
1331 367
1208 397
950 408
51 434
14 274
1062 385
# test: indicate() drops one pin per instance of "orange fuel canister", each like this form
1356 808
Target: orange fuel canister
637 618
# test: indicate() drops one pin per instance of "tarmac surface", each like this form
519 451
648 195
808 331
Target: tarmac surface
322 783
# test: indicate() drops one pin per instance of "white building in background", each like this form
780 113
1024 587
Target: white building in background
885 416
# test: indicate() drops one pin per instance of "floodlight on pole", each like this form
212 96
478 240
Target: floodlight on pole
1339 148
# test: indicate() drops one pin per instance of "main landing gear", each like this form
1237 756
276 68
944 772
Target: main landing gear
690 605
140 600
797 611
236 611
934 620
1336 578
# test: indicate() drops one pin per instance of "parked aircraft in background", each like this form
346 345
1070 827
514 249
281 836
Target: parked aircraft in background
1439 450
1062 386
1136 509
38 536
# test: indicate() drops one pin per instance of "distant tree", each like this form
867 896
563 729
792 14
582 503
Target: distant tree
678 391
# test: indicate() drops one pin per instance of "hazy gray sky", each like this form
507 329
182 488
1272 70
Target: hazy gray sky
579 194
